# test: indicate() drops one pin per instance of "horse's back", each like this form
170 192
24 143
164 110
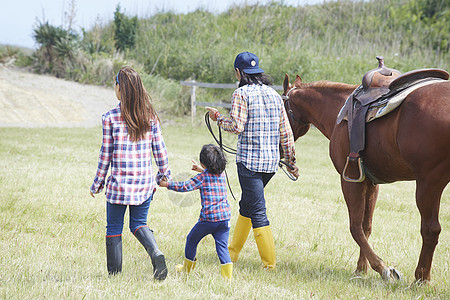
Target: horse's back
413 140
423 130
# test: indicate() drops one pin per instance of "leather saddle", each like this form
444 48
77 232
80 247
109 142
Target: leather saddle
377 85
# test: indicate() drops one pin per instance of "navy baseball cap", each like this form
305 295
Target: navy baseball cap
248 62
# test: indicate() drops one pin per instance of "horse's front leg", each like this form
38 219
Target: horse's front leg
428 195
371 196
355 197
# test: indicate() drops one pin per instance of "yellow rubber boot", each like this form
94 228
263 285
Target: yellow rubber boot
187 266
266 246
226 270
241 231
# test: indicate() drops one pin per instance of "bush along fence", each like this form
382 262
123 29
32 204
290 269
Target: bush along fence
193 84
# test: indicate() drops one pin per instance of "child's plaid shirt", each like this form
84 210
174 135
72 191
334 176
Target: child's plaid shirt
213 194
131 181
258 117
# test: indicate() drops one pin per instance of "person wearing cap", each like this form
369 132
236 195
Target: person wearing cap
259 119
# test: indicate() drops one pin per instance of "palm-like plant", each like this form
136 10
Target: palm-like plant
57 46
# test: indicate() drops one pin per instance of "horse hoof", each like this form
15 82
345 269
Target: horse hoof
391 274
419 283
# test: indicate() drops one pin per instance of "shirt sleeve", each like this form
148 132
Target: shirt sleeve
160 153
238 115
287 138
104 159
186 186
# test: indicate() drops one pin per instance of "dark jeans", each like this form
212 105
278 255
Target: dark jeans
253 203
220 232
116 212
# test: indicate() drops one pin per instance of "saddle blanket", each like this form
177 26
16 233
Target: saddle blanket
384 106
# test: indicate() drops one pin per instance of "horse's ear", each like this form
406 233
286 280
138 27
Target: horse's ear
286 83
297 81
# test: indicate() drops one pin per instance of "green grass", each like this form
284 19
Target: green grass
52 232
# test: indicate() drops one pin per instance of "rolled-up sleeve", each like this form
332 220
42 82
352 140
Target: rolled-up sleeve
160 154
287 138
104 159
238 115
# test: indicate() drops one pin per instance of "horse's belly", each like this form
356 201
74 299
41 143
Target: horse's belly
381 155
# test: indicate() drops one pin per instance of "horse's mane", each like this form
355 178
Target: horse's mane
334 86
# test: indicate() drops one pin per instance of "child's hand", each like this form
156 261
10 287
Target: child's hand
196 167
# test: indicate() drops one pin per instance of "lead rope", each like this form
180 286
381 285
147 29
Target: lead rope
222 147
281 163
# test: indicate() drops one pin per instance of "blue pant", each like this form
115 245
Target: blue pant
116 212
253 204
220 232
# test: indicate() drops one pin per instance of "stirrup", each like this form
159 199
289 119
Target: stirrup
354 157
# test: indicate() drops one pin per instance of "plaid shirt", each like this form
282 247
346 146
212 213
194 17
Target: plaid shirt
258 116
131 181
213 194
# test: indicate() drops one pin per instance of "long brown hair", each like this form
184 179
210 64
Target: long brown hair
137 110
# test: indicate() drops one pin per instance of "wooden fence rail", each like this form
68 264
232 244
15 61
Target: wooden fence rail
193 84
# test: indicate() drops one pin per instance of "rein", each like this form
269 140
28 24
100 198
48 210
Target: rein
289 110
232 151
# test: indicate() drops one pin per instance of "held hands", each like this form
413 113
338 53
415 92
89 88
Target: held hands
163 182
212 113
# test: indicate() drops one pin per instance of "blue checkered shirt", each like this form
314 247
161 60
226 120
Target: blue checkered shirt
213 194
258 117
131 181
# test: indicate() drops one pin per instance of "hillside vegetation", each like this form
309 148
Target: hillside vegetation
336 40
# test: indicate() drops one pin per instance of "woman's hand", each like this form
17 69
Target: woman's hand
196 167
212 113
294 170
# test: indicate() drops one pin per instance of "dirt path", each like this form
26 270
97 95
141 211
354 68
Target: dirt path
30 100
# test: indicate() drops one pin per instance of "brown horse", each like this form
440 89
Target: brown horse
410 143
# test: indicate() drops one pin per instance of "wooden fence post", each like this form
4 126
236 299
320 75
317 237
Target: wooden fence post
193 102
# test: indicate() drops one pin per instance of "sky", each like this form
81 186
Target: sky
19 17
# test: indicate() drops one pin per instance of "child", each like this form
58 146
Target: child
215 213
131 133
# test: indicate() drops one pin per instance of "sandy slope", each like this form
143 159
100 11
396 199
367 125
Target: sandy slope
30 100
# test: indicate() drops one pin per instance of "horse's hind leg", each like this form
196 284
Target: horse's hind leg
370 201
428 196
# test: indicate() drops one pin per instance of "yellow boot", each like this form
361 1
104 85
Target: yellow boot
266 246
243 226
226 270
187 266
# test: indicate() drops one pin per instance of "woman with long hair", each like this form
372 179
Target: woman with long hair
131 134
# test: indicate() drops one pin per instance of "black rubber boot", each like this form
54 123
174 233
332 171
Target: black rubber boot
114 254
147 239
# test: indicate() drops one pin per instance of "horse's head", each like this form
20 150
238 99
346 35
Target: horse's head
299 125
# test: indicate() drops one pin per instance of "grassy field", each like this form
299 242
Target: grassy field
52 241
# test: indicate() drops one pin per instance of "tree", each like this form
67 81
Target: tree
125 30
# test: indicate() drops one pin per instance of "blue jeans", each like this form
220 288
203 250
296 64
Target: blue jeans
253 204
116 212
220 232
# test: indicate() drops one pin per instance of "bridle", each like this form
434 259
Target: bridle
287 106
